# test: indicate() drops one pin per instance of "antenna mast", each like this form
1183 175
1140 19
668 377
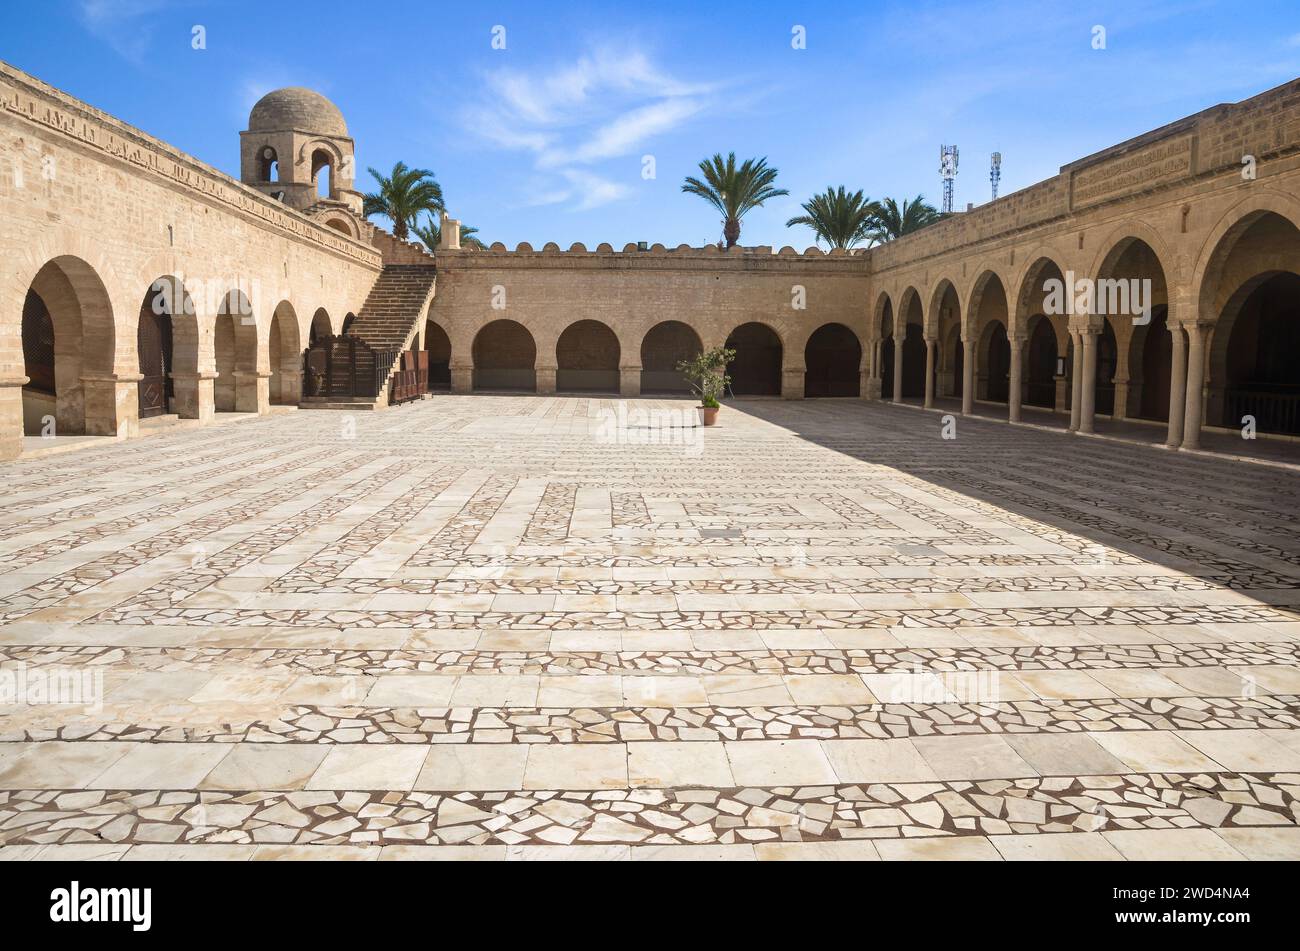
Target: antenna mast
948 171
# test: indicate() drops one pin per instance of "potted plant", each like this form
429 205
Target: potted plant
707 375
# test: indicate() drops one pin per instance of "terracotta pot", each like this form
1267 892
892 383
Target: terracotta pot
708 415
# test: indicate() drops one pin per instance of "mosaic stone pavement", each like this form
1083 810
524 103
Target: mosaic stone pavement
500 627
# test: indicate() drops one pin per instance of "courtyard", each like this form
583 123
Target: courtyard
517 626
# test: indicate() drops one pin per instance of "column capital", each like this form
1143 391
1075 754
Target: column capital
14 381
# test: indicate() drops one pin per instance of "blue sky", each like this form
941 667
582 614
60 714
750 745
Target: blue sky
545 140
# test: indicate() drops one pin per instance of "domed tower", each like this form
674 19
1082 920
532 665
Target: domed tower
295 136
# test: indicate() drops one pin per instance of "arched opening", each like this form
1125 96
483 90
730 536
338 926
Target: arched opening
989 308
1262 360
234 341
1253 286
586 359
155 344
40 393
1038 313
1131 287
1107 362
348 321
286 357
667 344
914 362
756 370
832 362
1150 365
504 357
68 346
268 165
996 357
322 173
946 306
320 327
887 351
1041 371
438 345
955 357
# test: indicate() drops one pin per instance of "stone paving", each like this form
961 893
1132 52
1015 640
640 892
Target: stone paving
528 627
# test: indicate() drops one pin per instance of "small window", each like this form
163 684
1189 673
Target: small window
268 165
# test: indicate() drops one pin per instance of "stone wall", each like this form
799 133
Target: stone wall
115 209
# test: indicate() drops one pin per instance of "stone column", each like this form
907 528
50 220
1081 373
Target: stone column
11 417
864 384
1015 393
1177 386
290 388
1195 386
1121 398
792 383
629 382
545 380
462 378
898 369
1076 382
1088 410
968 377
252 392
194 395
112 404
930 345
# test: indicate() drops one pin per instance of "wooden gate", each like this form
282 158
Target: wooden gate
411 381
154 345
345 368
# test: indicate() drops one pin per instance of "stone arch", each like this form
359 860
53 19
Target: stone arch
954 361
994 361
756 370
1043 355
944 296
586 358
910 326
167 350
321 326
68 304
665 345
1144 353
239 384
505 357
1031 295
284 352
987 304
986 277
1251 282
883 328
832 362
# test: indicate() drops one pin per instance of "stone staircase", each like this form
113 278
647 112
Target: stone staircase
388 322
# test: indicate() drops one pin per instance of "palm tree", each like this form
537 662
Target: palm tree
402 196
838 218
431 233
734 191
892 223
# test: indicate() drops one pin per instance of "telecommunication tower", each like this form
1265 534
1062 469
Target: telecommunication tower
948 171
995 172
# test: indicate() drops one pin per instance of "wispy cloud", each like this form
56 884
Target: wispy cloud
605 106
124 25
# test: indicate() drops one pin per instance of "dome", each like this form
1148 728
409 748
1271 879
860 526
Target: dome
296 108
